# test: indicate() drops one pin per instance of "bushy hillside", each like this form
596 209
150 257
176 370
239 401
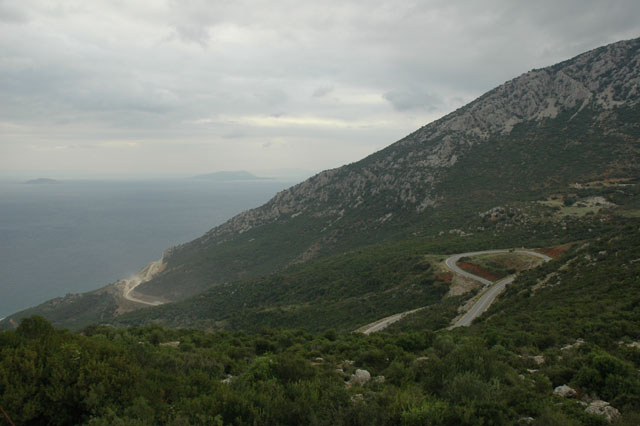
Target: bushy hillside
561 342
350 289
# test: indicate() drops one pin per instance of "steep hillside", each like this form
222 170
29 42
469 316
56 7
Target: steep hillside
348 290
575 121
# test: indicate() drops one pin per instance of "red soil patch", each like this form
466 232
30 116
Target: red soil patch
605 181
445 277
557 251
477 270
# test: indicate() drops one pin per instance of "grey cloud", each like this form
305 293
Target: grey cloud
235 135
404 100
272 96
322 91
11 13
153 71
192 19
193 33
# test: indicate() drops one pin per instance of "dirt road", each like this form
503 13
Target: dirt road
144 275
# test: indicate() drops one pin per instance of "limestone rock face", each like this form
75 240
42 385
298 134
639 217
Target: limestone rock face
602 408
406 171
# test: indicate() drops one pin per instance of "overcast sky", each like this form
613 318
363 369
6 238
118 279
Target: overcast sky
130 87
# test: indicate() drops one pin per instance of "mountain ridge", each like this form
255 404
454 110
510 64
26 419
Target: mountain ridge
403 178
443 155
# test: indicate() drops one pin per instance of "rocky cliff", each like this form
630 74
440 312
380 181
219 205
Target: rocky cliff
602 79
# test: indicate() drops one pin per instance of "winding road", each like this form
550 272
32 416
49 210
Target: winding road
385 322
478 308
142 276
493 290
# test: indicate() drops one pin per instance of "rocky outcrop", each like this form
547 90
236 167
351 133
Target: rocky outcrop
565 391
576 344
603 409
360 377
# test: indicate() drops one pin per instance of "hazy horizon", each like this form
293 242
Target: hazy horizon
290 175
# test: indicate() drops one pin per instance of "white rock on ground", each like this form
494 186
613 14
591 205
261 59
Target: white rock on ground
602 408
378 379
360 377
565 391
577 343
538 359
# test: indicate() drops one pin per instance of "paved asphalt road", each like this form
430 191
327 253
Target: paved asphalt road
483 303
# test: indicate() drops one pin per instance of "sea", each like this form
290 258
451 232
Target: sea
79 235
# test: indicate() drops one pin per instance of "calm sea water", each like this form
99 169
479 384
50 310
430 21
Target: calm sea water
77 236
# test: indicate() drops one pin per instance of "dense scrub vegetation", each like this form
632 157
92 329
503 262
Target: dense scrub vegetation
350 289
126 376
75 311
340 292
502 370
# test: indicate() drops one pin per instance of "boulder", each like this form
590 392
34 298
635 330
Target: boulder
576 344
603 409
538 359
360 377
357 398
565 391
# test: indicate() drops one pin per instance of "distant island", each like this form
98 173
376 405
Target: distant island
228 175
41 181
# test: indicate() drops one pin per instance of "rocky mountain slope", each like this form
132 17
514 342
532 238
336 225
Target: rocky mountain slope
407 171
585 108
575 122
